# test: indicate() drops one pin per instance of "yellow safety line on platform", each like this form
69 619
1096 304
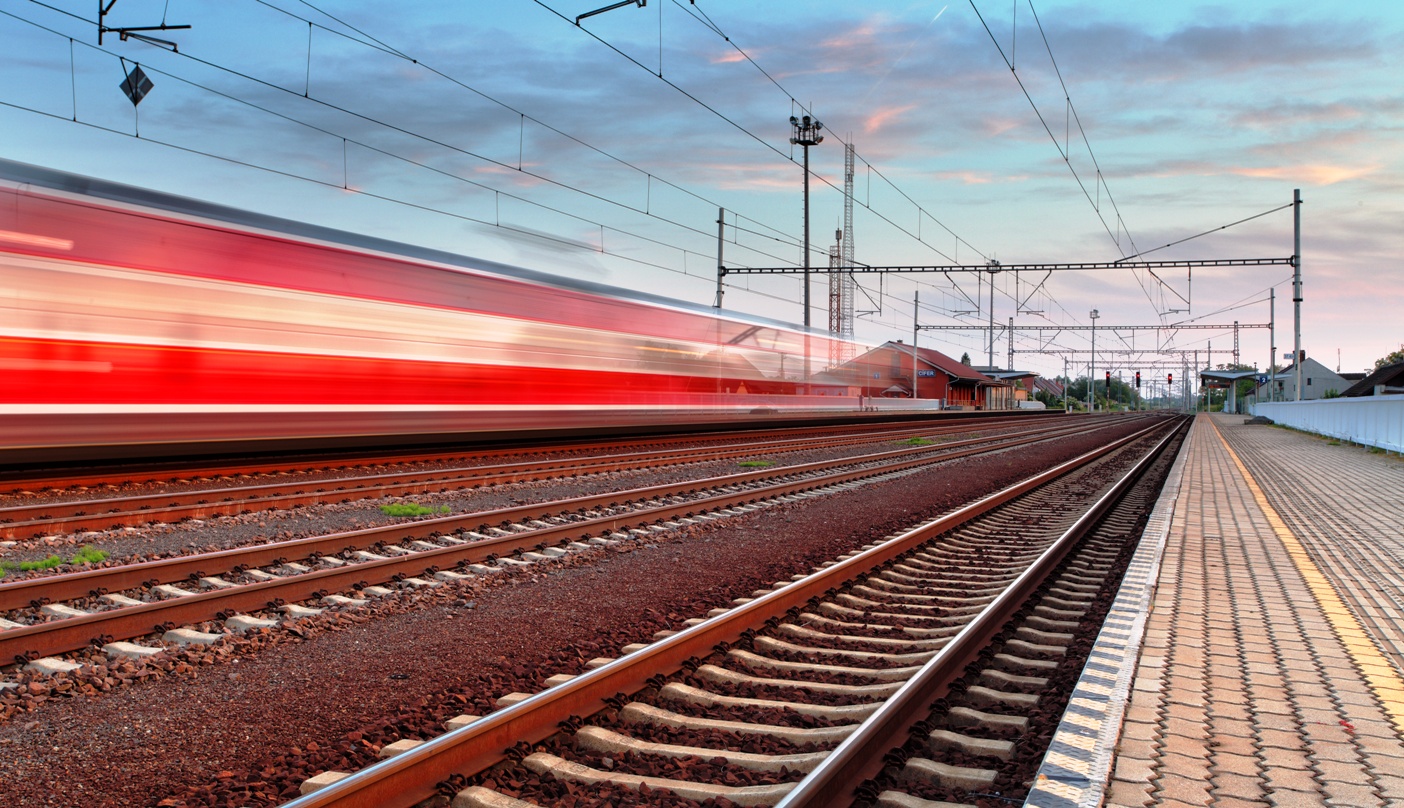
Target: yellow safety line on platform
1382 677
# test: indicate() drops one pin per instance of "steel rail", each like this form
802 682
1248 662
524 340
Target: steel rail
28 591
72 633
861 755
203 503
411 777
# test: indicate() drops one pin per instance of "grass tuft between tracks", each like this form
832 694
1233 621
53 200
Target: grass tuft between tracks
756 464
411 509
88 555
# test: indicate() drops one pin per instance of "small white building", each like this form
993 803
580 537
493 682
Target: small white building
1317 380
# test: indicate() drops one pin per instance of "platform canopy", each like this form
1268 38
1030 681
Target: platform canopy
1219 379
1224 378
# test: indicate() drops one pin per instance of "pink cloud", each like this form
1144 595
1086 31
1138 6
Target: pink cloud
994 126
965 177
728 58
883 116
862 35
1318 174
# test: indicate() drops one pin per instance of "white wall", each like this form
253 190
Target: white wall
1369 420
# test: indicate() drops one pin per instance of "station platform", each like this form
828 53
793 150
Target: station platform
1255 654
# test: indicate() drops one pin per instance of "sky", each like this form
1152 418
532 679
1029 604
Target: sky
1020 132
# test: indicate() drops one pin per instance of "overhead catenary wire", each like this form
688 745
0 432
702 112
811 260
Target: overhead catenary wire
711 26
1206 232
323 130
1065 153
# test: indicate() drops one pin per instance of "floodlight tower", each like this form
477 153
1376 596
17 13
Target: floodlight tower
805 133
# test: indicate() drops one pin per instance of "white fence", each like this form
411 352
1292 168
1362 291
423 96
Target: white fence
1368 420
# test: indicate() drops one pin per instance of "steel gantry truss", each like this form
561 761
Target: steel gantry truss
1078 267
846 269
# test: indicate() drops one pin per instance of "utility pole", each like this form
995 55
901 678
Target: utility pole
1092 374
1272 343
721 265
916 309
994 267
1066 383
1297 286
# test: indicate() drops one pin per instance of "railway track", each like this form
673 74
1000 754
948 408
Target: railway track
204 501
12 482
54 614
800 694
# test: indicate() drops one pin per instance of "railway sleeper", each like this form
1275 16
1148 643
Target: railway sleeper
852 713
599 739
719 675
982 696
829 608
781 647
543 763
968 778
887 799
933 592
800 632
839 625
639 713
1011 662
781 666
941 740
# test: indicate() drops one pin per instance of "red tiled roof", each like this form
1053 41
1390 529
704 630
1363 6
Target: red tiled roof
951 367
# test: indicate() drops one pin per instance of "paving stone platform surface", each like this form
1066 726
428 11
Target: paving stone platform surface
1270 672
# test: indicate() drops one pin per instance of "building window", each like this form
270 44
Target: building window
1308 381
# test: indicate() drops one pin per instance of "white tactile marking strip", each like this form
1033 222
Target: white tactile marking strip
1077 766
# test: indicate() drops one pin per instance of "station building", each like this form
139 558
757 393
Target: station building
1317 381
887 372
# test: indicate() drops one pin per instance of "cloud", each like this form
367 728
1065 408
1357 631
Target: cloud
884 115
965 177
1319 174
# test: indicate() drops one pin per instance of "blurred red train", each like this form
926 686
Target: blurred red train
132 321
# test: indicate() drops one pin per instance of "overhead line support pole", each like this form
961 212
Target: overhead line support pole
721 266
1272 344
1297 286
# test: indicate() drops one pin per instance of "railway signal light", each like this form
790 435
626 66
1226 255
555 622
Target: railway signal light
1109 380
1138 380
1169 378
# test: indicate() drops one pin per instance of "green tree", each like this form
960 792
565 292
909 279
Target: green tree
965 359
1390 358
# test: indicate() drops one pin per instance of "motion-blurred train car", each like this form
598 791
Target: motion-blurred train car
136 323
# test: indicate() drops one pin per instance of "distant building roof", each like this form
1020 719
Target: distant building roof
1389 376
